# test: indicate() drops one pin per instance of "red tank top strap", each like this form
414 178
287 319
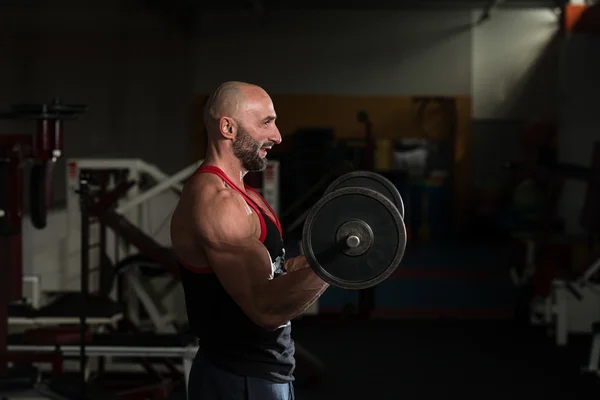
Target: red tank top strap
217 171
276 220
211 169
196 270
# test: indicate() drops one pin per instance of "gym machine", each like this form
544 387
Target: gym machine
40 151
54 342
59 344
571 288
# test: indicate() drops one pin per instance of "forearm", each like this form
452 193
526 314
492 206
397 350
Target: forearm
289 295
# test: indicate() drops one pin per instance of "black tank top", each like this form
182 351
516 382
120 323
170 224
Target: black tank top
228 338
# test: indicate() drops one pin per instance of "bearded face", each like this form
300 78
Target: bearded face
248 150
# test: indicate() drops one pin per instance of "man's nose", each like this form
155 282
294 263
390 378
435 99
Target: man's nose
276 137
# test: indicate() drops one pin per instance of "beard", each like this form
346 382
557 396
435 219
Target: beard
246 149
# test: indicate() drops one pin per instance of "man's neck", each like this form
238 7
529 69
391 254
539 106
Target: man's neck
231 168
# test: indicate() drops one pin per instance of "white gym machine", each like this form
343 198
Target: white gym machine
594 357
571 307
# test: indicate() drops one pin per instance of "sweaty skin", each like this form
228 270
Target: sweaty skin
213 226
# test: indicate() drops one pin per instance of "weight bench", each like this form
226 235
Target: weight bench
118 345
65 310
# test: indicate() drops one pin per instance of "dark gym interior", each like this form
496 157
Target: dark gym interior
478 118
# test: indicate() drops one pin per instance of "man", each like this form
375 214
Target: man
240 292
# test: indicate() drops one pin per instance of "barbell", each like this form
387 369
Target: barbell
354 237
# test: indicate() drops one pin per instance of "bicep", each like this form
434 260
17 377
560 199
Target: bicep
242 270
239 260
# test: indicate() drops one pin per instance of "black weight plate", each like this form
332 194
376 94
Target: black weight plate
369 180
330 260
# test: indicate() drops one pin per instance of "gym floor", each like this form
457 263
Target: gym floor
391 359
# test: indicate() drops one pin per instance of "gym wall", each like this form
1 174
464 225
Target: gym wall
330 57
340 52
515 62
579 118
130 64
419 53
105 55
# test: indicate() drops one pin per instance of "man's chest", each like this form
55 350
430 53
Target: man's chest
262 205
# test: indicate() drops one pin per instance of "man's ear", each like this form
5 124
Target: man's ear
227 127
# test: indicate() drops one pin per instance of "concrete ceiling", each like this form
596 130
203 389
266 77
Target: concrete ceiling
184 12
371 4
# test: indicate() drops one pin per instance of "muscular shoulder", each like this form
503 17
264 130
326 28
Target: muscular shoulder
218 214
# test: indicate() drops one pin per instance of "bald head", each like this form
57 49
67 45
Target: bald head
227 100
240 123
